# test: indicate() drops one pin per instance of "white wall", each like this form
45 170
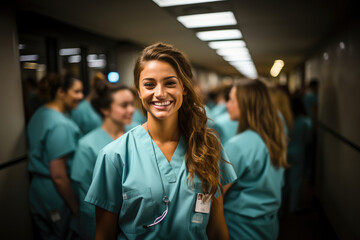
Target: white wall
126 57
14 181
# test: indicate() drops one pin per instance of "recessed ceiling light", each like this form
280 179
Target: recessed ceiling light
208 20
219 35
276 68
169 3
227 44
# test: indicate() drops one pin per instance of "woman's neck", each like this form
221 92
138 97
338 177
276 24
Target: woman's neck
115 130
57 105
163 131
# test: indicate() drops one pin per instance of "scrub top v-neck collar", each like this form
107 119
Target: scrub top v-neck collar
168 169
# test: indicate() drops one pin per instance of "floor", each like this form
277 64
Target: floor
310 223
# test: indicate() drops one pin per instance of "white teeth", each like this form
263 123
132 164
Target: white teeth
162 103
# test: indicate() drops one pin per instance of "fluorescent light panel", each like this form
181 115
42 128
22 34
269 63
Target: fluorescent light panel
237 58
29 58
208 20
219 35
242 51
69 51
169 3
227 44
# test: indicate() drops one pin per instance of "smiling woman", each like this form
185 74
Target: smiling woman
164 165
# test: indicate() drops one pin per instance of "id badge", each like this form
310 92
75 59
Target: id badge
55 216
203 203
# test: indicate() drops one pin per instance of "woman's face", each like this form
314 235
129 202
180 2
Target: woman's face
122 107
73 95
160 90
232 105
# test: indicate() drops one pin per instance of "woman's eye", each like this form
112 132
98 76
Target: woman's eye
148 84
170 83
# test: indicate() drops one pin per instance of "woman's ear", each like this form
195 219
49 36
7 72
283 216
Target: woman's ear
138 92
60 93
105 112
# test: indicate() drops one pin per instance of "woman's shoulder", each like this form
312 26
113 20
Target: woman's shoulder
247 136
247 141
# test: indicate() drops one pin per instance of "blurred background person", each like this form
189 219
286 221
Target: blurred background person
297 149
53 138
85 116
258 154
225 127
115 103
310 99
138 117
281 100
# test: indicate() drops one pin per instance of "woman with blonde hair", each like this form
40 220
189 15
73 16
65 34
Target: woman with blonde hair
162 179
258 154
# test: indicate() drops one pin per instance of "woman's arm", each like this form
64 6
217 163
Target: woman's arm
217 228
106 223
62 184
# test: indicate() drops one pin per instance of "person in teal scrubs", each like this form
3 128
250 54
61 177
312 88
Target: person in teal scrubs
53 138
85 115
297 150
225 127
162 179
115 103
258 154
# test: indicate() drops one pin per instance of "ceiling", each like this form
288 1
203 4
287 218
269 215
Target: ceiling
278 29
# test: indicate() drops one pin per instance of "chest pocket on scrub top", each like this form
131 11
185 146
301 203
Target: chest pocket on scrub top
138 209
198 221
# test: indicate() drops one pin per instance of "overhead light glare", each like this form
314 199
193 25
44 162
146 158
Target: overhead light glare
69 51
29 58
208 20
276 68
74 59
241 51
219 35
113 77
169 3
227 44
237 58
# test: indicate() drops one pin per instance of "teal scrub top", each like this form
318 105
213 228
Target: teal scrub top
226 127
286 129
252 202
310 101
218 109
299 139
51 135
86 117
129 178
82 172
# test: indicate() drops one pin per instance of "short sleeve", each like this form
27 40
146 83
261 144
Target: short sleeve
61 141
249 157
83 164
227 171
106 188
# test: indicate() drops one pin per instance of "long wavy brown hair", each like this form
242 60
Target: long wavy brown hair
203 147
258 113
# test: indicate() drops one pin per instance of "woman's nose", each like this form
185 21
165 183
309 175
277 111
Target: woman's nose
159 92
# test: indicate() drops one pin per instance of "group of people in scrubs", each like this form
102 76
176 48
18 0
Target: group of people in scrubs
170 177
